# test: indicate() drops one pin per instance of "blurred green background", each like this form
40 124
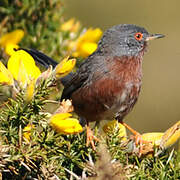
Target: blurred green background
158 106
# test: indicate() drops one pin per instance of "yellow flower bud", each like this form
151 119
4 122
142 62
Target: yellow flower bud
86 44
62 123
27 132
70 25
87 48
23 67
9 49
29 92
170 136
154 137
64 67
111 125
13 37
5 75
10 40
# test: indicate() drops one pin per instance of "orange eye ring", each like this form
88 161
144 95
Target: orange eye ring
138 36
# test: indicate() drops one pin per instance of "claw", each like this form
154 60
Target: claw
91 138
138 139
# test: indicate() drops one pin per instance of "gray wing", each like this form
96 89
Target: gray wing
76 80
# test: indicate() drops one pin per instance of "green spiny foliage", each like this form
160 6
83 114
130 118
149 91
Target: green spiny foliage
49 155
41 22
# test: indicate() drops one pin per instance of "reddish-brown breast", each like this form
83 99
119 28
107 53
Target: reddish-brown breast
111 94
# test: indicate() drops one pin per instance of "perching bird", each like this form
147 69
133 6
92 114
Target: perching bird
107 83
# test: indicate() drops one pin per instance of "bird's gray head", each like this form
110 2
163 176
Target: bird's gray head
126 40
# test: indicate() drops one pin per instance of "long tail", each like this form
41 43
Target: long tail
41 58
46 61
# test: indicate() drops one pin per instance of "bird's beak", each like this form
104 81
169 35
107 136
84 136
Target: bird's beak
154 36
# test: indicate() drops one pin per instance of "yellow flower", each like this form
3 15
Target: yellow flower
70 25
10 40
23 67
64 67
27 132
111 125
9 49
29 93
154 137
63 123
166 139
86 44
5 75
171 136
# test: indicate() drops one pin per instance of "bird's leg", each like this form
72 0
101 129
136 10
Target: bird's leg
137 136
90 137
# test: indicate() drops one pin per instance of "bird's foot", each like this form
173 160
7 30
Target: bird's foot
138 139
140 142
91 138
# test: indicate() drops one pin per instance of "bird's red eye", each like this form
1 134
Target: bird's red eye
138 36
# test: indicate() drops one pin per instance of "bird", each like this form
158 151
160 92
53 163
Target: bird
107 83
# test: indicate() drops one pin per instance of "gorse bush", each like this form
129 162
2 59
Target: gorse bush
39 20
42 138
